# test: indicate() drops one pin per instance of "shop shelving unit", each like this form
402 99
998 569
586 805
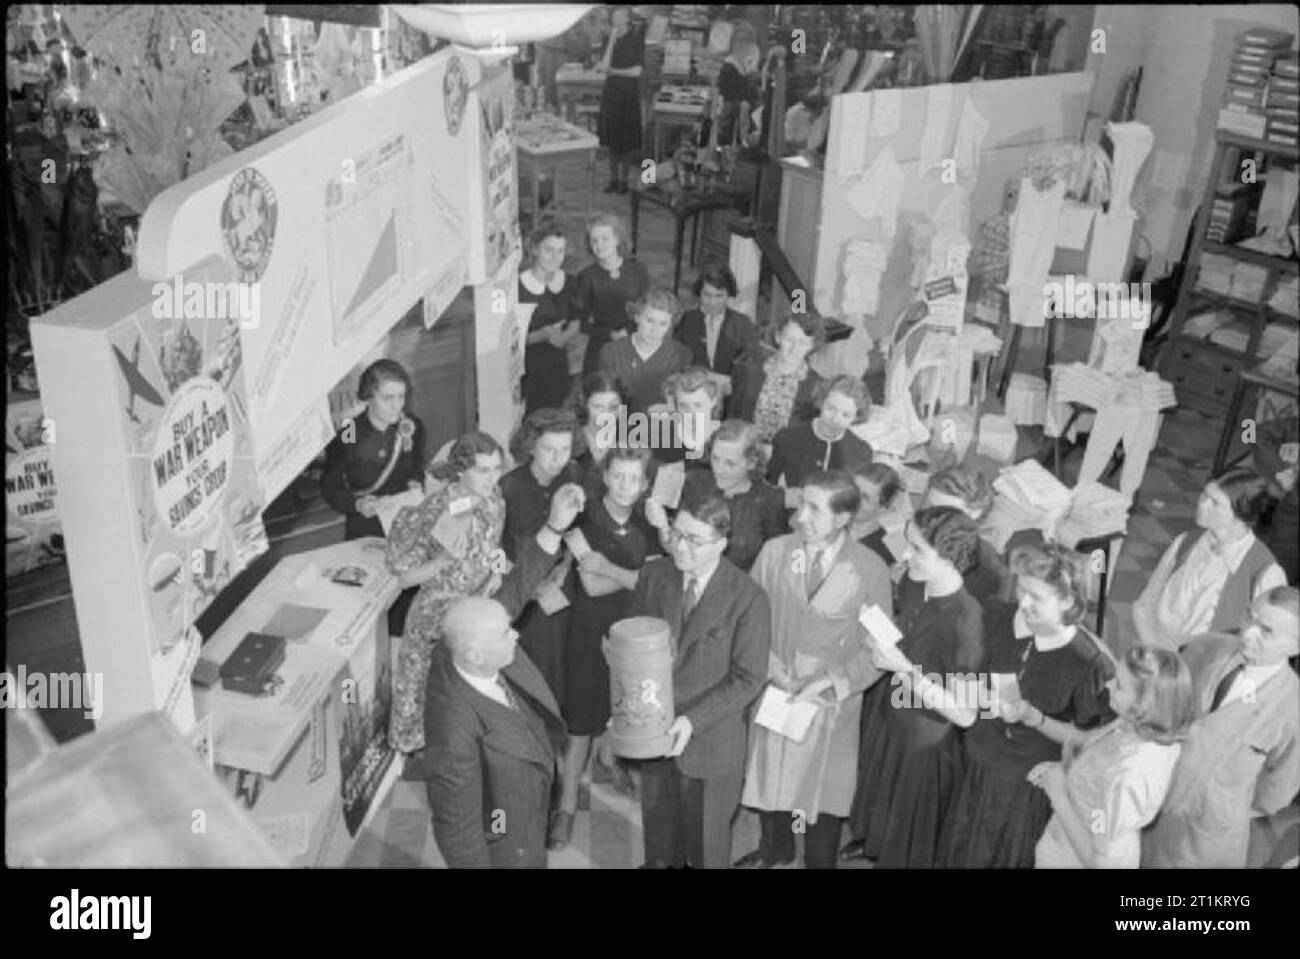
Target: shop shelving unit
1205 374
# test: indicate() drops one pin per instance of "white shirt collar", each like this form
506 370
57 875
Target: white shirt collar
1234 553
534 285
702 579
487 685
827 559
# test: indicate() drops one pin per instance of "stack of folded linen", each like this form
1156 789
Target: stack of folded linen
1095 510
1027 497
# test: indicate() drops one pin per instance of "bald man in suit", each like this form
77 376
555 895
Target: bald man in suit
492 727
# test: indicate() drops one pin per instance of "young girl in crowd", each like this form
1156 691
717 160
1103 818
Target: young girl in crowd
774 389
825 443
543 448
649 356
608 286
1208 578
1048 684
596 403
621 541
910 755
449 546
554 321
1103 796
967 490
737 463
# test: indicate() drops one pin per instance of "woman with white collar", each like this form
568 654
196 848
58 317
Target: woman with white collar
1048 676
554 322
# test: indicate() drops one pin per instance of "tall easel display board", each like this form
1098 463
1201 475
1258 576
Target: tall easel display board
936 156
178 420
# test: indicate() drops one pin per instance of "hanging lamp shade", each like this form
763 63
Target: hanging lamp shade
488 25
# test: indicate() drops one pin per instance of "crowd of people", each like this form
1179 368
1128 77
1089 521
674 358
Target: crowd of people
997 731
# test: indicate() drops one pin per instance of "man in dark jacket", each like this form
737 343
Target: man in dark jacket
491 725
722 630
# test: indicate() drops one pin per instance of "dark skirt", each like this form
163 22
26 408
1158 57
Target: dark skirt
542 638
909 770
995 821
620 115
585 704
546 377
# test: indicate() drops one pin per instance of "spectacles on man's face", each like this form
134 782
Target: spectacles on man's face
694 542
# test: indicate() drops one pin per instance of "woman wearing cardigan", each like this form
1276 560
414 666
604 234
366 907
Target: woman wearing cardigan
1208 578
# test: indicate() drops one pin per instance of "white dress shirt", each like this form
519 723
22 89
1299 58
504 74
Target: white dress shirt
489 686
712 332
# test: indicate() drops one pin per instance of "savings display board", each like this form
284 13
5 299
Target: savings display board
180 416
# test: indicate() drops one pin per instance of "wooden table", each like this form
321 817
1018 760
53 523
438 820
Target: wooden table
683 205
537 158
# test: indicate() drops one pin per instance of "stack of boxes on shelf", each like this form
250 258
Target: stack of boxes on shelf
1246 98
1282 104
1229 212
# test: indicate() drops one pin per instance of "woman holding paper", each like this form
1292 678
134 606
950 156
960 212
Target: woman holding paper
910 755
448 546
817 579
1106 793
615 543
1049 678
543 448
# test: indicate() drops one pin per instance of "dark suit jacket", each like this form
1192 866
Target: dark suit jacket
488 768
720 661
736 338
491 767
747 382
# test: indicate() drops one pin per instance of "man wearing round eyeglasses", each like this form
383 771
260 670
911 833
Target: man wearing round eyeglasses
722 626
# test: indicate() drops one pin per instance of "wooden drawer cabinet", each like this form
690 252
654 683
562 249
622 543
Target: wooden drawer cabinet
1203 375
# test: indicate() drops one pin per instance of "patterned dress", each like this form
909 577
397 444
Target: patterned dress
411 543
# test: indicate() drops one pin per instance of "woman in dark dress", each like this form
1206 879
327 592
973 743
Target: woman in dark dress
757 507
825 443
543 446
969 491
737 90
1060 673
879 486
910 755
376 454
608 287
554 322
595 402
644 360
620 101
621 541
776 387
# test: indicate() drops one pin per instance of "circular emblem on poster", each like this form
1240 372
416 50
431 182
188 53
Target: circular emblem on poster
455 92
248 223
193 455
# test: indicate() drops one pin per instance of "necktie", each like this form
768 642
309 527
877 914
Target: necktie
511 699
813 574
1225 686
690 598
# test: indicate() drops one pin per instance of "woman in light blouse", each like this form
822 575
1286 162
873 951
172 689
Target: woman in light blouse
1104 796
1208 577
